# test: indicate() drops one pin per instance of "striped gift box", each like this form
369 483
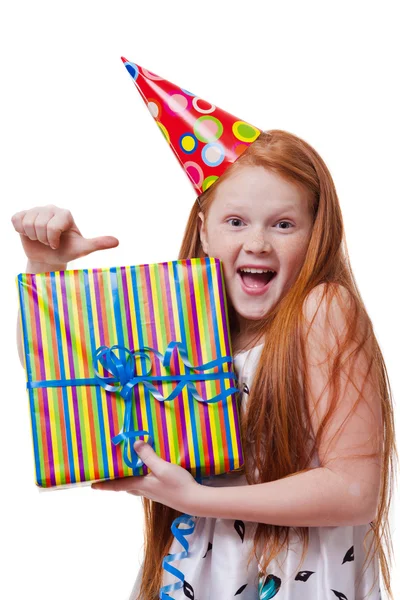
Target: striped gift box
104 351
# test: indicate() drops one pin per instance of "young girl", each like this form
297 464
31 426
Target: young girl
305 517
318 425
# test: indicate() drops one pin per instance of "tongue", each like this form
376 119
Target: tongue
255 280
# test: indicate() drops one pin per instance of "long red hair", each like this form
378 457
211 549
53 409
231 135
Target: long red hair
280 381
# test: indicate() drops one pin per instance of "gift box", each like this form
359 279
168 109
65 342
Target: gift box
115 355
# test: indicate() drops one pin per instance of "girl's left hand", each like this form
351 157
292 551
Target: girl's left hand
167 483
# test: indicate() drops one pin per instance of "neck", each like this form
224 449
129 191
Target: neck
241 334
242 337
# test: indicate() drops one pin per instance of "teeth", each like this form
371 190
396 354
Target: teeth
246 270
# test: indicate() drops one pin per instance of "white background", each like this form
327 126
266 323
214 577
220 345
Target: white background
75 132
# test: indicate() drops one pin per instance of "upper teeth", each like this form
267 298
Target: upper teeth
246 270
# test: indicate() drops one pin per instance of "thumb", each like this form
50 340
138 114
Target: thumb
100 243
147 454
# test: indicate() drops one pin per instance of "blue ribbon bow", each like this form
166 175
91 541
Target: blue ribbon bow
124 378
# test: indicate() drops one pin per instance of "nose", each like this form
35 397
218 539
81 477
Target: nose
256 241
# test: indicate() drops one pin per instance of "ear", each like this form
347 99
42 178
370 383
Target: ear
202 232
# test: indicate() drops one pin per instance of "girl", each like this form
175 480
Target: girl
306 515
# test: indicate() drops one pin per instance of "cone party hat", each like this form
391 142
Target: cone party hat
205 139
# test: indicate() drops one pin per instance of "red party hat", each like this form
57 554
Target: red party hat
204 138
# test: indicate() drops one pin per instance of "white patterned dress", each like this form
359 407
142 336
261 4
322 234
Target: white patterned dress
218 550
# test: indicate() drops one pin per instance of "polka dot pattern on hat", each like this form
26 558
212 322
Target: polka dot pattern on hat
205 139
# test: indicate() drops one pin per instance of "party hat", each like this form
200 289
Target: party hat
205 139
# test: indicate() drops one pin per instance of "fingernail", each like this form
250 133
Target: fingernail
139 445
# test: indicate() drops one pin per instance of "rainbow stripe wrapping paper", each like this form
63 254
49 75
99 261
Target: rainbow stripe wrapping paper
106 348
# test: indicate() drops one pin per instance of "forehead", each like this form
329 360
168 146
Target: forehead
250 185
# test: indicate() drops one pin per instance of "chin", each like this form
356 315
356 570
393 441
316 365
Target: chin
251 316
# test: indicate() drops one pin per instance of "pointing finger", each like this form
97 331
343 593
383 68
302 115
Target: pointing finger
100 243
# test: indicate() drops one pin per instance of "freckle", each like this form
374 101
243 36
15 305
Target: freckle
354 489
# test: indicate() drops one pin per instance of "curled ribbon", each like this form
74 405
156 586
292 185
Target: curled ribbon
123 381
180 537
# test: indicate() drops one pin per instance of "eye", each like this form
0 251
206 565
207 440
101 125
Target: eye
287 222
235 219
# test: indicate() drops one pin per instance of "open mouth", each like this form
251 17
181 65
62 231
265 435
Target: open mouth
256 280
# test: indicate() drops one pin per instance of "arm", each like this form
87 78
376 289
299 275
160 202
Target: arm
51 239
317 498
345 489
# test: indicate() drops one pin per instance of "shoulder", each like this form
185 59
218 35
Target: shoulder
328 302
329 315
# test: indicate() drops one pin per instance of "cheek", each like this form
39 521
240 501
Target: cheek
295 255
222 247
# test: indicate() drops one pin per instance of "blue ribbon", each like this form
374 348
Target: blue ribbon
180 537
124 377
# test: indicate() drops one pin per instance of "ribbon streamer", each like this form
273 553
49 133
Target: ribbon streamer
180 537
125 378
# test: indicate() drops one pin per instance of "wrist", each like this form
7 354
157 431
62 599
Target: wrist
35 267
196 500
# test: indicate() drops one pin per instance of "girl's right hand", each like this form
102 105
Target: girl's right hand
51 238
